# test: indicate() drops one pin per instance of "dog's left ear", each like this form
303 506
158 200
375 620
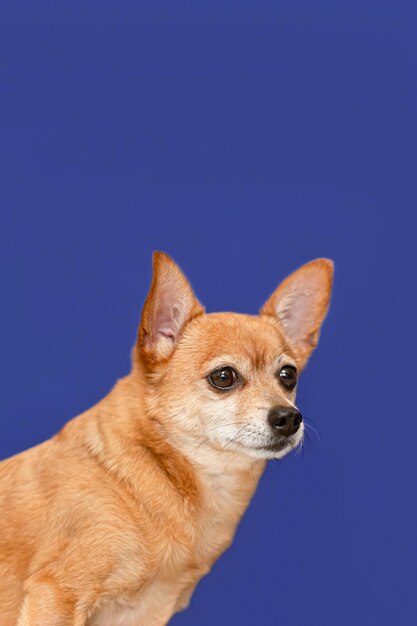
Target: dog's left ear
170 304
300 304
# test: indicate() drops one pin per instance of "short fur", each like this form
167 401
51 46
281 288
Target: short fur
114 520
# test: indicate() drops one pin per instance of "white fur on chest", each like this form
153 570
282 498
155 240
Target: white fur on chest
228 491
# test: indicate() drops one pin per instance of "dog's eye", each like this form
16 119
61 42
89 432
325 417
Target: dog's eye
223 378
288 377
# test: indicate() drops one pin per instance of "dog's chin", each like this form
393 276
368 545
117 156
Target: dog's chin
276 449
267 447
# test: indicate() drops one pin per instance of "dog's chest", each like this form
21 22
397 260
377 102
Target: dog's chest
224 500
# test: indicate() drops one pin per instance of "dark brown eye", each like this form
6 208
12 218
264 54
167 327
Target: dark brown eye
288 377
223 378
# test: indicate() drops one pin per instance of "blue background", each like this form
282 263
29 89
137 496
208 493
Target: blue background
244 138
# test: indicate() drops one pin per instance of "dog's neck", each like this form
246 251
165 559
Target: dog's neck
207 489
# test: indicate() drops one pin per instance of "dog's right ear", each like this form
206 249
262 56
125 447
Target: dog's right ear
170 304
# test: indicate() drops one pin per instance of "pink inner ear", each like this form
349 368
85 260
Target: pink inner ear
167 317
167 332
297 311
295 314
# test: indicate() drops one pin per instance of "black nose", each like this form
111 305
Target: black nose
285 421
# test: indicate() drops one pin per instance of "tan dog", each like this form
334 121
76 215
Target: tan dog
113 521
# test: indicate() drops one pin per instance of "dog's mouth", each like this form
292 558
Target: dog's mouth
266 447
279 445
276 446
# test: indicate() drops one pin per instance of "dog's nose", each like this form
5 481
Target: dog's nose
285 420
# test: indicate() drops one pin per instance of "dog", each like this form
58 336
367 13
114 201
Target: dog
114 520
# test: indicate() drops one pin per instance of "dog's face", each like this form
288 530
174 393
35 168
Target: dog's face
227 379
232 382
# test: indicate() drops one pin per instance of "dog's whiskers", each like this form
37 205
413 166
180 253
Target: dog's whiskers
313 429
205 440
233 439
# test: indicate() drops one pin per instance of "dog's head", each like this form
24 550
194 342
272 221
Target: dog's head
226 379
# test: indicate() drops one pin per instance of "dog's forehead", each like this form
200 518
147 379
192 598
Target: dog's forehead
257 339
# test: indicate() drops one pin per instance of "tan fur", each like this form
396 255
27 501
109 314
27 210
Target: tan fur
114 520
